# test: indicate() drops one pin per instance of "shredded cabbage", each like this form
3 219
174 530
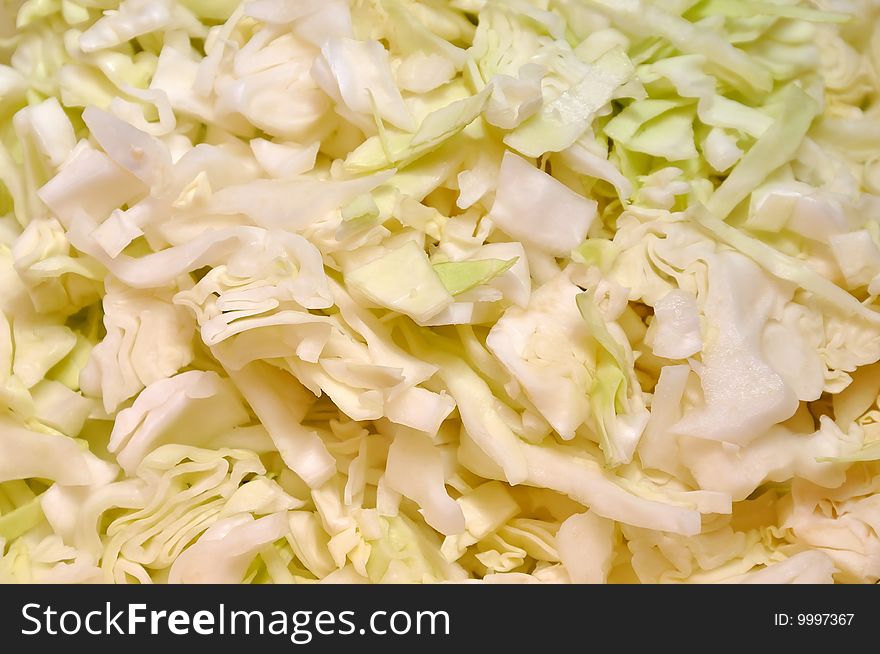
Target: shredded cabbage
396 291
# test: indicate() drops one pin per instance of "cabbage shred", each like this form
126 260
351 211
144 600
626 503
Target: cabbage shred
398 291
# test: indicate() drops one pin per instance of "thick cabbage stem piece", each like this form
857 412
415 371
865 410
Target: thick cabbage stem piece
479 409
744 395
586 547
223 553
415 470
536 209
269 392
196 403
25 454
583 480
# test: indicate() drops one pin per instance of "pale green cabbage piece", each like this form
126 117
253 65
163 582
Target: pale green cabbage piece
514 291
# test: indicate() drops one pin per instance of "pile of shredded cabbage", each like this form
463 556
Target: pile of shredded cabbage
436 290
